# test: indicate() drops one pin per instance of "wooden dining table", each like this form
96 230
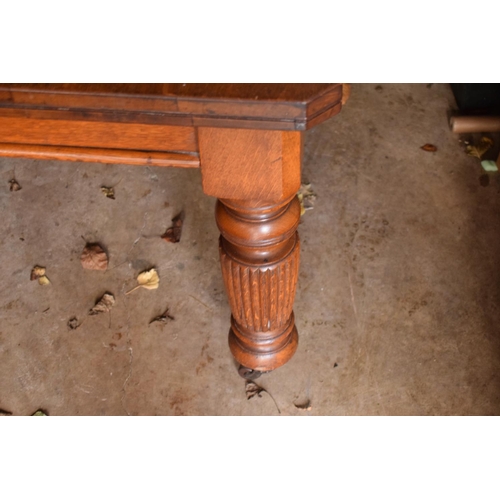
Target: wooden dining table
247 139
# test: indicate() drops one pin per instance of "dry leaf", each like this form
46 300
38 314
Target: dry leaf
14 185
94 257
39 413
147 279
303 406
478 151
163 318
73 323
173 234
104 304
36 272
306 198
5 412
252 389
429 148
43 280
108 191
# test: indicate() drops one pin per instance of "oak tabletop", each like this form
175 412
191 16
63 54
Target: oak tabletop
274 106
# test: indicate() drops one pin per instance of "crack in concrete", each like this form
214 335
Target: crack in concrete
124 388
131 358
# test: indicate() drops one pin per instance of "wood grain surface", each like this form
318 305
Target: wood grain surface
125 157
261 165
259 252
97 135
269 106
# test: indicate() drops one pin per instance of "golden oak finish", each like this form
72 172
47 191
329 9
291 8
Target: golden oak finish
148 158
268 106
97 135
248 141
259 250
251 164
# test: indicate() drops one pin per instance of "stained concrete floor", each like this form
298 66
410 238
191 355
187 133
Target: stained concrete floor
397 303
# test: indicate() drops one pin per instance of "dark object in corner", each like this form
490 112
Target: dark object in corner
477 98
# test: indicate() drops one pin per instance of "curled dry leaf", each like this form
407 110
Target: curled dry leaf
73 323
39 413
306 198
43 280
148 279
38 272
480 149
173 234
252 389
5 413
14 185
94 257
109 192
430 148
163 318
104 304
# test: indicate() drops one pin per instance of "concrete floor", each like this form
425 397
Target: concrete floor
397 304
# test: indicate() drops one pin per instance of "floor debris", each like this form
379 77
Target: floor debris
484 144
173 234
14 185
430 148
104 304
306 197
38 273
166 317
94 257
148 280
252 389
73 323
303 406
109 192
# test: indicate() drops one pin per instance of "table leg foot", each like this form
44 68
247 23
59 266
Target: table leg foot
259 251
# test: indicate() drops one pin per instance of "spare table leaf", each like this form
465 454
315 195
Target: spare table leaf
94 257
104 304
147 279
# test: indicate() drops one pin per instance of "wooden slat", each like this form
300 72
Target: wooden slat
155 159
97 135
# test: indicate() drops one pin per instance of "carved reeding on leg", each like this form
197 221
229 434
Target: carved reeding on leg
259 250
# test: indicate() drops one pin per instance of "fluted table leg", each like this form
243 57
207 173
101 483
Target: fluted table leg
259 251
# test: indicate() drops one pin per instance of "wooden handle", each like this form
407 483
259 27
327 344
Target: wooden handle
474 124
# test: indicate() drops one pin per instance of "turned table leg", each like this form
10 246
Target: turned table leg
259 252
255 174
